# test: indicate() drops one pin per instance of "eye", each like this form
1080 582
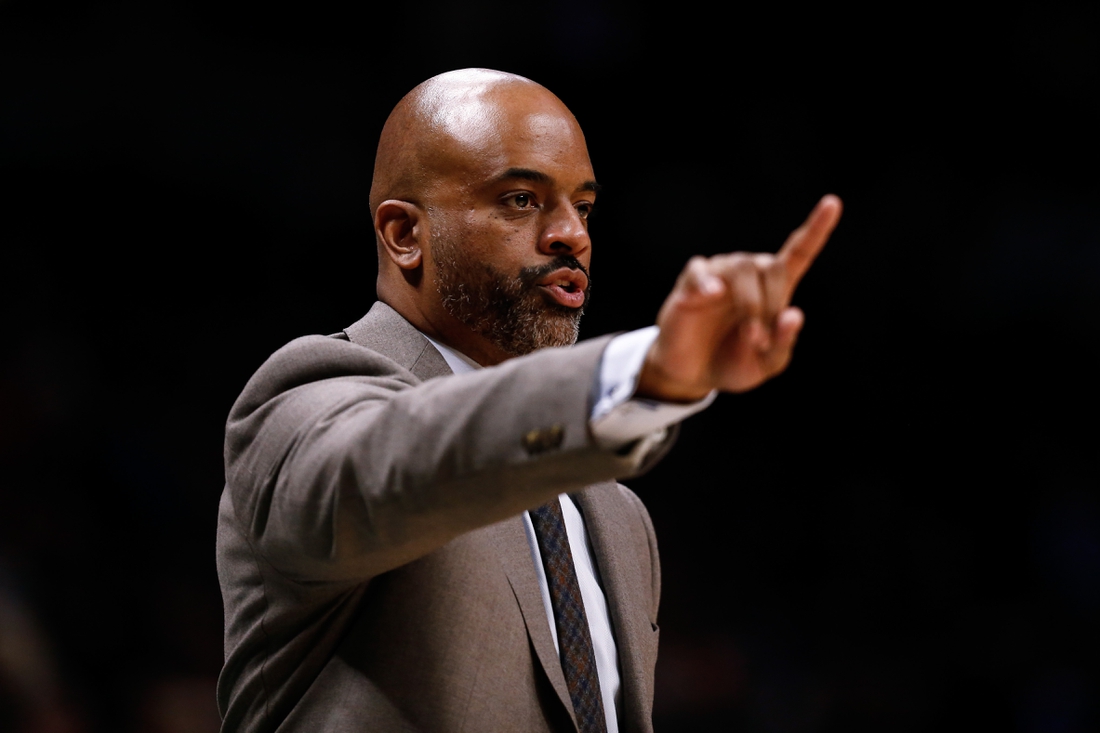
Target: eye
520 201
584 209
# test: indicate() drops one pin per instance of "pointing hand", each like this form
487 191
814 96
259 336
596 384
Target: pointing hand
728 323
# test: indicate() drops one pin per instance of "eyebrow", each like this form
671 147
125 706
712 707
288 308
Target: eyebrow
528 174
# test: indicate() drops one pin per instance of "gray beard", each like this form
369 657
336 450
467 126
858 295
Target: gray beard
509 312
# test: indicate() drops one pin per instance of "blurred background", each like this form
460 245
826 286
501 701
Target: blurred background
902 533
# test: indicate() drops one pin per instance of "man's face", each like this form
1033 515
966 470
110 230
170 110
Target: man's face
509 249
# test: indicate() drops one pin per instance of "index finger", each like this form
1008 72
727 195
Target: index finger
800 249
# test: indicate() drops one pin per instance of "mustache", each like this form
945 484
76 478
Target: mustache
530 275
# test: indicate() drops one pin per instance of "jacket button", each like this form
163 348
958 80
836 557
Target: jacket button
540 441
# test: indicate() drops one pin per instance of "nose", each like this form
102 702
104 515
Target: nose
565 233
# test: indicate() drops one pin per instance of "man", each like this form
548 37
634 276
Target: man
403 551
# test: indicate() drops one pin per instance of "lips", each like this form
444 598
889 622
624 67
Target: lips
565 286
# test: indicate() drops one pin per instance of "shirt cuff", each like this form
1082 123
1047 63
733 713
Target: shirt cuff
617 417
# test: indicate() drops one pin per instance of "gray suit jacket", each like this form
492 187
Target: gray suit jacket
374 567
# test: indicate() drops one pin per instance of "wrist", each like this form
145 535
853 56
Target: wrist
656 383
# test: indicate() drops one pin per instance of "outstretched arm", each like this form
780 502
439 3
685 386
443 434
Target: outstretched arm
728 323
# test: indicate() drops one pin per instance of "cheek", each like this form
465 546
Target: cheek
502 240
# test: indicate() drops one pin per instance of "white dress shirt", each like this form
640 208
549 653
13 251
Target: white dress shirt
618 419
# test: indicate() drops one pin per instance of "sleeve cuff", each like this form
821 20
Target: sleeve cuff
617 417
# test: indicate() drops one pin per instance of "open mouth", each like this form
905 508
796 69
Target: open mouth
565 286
566 278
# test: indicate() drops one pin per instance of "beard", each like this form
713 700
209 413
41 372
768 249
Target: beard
510 312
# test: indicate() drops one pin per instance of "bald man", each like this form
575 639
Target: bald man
405 501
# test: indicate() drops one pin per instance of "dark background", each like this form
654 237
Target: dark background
901 533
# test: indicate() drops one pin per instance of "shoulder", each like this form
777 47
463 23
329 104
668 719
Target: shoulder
301 383
381 347
311 359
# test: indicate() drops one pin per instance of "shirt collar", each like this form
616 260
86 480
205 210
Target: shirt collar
458 362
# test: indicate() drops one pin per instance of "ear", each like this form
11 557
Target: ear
398 228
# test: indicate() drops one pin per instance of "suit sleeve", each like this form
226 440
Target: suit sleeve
341 466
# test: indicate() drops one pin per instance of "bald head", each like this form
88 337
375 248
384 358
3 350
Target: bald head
454 120
481 193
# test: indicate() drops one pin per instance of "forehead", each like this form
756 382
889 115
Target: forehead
487 133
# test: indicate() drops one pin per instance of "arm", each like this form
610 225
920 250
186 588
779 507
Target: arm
340 466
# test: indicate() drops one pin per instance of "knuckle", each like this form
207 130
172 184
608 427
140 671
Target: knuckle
728 259
763 261
696 266
738 264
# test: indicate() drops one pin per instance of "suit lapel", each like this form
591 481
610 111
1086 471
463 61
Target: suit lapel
606 518
510 539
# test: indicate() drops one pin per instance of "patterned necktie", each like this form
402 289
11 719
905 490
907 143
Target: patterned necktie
578 660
